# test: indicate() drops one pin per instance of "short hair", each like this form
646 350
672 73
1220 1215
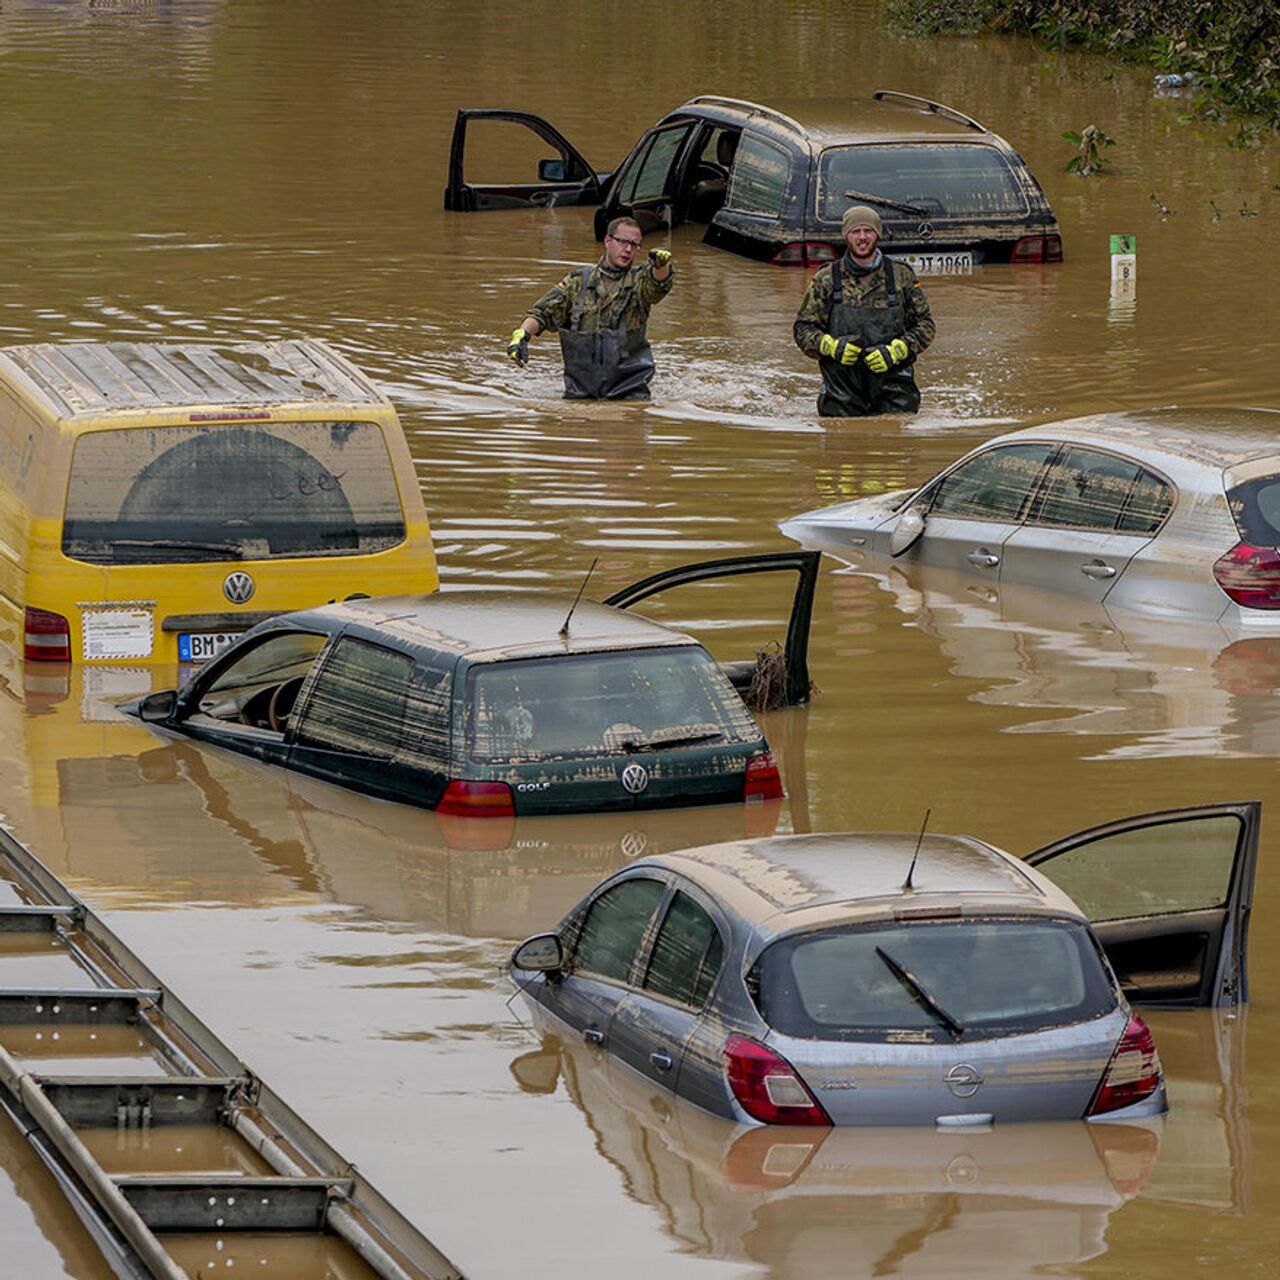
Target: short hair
624 221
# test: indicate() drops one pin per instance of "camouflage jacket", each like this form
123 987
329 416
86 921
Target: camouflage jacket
624 305
811 319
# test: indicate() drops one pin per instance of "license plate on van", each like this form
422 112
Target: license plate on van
200 646
940 264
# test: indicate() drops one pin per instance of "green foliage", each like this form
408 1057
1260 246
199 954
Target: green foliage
1089 159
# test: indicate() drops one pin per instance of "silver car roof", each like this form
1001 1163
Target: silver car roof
780 884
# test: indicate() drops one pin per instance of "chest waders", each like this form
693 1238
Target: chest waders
853 390
604 364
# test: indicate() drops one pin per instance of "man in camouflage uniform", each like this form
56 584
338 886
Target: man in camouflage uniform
865 320
601 313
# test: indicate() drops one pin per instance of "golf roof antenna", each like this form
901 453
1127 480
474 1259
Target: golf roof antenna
564 631
907 886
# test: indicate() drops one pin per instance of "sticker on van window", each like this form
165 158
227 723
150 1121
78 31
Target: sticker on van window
122 632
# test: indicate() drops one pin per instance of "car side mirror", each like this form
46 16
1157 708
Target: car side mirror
909 527
552 171
158 706
541 953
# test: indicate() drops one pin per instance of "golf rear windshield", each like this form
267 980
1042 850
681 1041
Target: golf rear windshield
163 495
919 180
617 703
983 977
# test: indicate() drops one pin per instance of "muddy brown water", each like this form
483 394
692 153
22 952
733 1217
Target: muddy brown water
264 169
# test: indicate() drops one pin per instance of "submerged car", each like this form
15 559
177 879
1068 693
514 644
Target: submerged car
1170 511
772 183
474 703
899 979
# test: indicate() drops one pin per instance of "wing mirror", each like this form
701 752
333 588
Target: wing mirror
541 953
552 171
158 706
909 527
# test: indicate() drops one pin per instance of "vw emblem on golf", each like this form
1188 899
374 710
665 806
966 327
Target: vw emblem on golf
963 1080
635 777
925 231
237 587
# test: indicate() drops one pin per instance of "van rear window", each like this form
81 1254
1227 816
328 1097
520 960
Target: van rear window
161 495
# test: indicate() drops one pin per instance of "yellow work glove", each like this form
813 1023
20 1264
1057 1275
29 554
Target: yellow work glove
658 258
882 359
842 350
518 347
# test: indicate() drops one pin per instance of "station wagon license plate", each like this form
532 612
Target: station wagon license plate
940 264
200 646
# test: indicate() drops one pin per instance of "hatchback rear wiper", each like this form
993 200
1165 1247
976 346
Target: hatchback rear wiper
230 550
922 993
889 204
656 741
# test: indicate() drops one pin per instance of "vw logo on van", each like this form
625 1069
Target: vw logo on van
925 231
635 777
963 1080
238 587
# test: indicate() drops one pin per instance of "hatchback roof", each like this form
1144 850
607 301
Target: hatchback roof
490 625
95 377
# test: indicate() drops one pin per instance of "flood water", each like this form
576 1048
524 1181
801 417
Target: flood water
268 169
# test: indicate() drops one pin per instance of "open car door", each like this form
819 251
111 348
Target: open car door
1169 895
795 682
565 178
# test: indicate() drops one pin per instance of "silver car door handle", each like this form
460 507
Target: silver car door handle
661 1060
984 559
593 1035
1096 569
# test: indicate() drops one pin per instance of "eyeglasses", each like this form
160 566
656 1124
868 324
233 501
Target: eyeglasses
631 244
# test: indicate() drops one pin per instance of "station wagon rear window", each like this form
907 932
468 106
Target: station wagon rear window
161 495
951 180
986 976
602 704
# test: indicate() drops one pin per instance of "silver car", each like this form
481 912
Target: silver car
1171 511
899 979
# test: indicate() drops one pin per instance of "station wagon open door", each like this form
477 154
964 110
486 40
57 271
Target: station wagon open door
565 178
1169 895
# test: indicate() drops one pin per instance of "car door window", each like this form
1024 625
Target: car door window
242 691
758 182
686 954
647 180
615 926
995 485
359 700
1150 501
1085 489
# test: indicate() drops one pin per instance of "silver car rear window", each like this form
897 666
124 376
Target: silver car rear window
1255 505
988 976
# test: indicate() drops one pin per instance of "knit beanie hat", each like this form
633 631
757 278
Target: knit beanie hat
859 215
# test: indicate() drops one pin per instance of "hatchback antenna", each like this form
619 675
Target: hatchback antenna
564 631
906 884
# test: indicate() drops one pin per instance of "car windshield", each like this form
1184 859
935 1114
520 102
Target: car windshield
940 979
942 180
160 495
602 704
1255 504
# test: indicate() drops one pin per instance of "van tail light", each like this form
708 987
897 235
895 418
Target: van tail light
1250 576
477 800
46 637
1038 249
805 253
762 781
766 1085
1132 1074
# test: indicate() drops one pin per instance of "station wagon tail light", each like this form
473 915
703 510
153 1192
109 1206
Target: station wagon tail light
763 781
1250 576
805 253
45 636
477 800
766 1085
1133 1072
1037 249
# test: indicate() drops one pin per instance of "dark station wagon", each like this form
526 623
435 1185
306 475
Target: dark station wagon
476 703
772 183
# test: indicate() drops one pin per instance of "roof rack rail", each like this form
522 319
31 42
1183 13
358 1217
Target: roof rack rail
938 108
711 99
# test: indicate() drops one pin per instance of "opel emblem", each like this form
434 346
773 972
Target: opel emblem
238 587
925 231
963 1080
635 777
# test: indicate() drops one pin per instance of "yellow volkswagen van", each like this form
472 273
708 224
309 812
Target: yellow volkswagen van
157 499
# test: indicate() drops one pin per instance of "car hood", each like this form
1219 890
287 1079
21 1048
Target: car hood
859 513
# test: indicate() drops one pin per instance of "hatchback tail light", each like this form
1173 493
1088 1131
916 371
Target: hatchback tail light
766 1085
1047 248
1250 576
805 253
46 637
762 781
477 800
1133 1072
